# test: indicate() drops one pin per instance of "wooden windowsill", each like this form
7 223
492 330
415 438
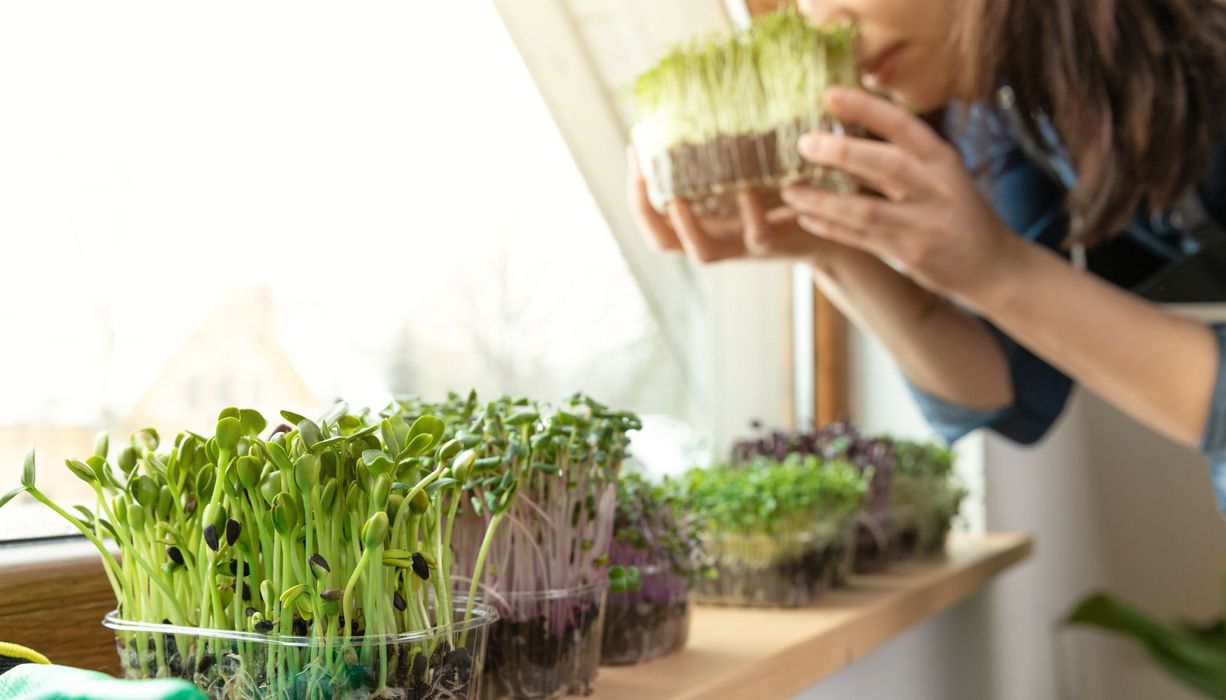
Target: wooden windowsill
52 599
773 653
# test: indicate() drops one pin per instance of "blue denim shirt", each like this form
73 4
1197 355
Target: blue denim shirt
1028 194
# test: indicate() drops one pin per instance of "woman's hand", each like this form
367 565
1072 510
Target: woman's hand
932 221
756 233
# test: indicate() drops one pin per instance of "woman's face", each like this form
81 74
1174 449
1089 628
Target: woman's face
904 45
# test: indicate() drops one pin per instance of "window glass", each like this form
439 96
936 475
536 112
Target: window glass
275 205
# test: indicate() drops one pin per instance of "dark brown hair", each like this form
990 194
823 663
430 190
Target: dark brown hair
1135 89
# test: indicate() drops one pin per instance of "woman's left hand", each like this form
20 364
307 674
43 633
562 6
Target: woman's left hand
932 221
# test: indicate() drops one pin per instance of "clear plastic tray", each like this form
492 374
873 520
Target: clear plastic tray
709 174
647 623
440 662
922 511
547 643
789 569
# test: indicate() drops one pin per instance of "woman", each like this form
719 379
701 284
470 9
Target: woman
1081 134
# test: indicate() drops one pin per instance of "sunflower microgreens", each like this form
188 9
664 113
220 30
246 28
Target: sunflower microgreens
336 529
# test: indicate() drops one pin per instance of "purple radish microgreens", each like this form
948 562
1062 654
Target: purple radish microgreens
537 506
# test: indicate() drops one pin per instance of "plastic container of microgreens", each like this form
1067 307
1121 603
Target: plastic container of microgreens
440 662
725 114
872 455
540 519
658 550
925 497
788 568
651 621
547 643
780 531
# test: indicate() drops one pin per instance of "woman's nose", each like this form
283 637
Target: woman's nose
823 11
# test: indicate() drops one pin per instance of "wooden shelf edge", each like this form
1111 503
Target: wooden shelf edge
789 650
820 640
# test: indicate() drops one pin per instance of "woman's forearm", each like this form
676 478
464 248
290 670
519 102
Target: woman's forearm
1155 366
941 349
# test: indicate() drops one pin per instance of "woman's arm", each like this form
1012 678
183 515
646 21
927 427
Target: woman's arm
1155 366
940 348
936 226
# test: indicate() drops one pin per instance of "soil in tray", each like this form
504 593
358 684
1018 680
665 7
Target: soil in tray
703 172
872 554
534 659
909 543
789 582
643 630
225 671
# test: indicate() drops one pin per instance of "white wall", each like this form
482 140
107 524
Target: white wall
1164 542
1103 518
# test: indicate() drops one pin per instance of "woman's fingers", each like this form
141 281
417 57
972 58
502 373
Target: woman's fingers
697 243
885 167
654 226
872 215
757 230
886 119
837 233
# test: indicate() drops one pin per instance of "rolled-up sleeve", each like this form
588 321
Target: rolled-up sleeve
1039 395
1213 440
1030 202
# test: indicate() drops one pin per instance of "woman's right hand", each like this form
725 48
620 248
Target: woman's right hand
755 234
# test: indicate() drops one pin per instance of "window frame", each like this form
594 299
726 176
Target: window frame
53 596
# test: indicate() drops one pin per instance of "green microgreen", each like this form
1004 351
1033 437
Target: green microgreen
654 526
286 534
771 73
539 490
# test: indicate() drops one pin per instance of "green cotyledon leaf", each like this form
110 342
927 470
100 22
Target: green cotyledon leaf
1189 658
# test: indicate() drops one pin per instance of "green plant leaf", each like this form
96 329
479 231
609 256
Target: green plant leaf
251 421
368 430
417 445
164 504
329 442
1198 664
328 496
205 481
292 418
427 425
388 432
376 461
13 493
292 593
309 432
380 491
522 416
102 443
27 472
439 484
306 472
128 460
146 439
229 431
144 490
276 453
374 530
450 449
81 470
284 514
249 468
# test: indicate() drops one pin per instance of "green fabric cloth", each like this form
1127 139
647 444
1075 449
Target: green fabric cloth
52 682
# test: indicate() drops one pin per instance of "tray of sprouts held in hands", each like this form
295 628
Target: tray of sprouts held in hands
719 115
